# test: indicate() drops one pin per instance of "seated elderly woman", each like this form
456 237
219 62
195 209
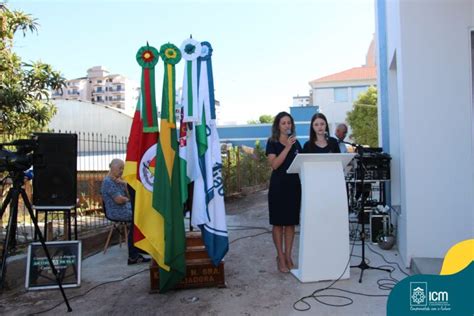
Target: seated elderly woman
118 207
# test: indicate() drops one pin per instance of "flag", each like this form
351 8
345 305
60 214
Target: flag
208 199
166 189
140 163
190 50
139 174
187 155
208 196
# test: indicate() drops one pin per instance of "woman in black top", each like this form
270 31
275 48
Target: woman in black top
319 140
284 194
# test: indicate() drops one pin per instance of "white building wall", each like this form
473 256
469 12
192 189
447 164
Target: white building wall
336 112
131 96
301 101
431 123
79 116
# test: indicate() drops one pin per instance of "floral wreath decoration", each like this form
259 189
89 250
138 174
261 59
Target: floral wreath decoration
206 51
147 56
170 54
191 49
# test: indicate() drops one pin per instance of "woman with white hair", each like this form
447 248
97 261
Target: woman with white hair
118 207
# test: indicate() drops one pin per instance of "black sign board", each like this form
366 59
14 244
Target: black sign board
66 256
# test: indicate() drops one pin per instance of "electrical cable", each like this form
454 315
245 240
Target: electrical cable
383 284
250 236
113 281
89 290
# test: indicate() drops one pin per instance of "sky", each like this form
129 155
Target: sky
264 52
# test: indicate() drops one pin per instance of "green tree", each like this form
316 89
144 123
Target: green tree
363 118
24 87
263 119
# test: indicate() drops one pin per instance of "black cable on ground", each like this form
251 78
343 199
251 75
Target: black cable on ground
132 275
89 290
383 284
250 236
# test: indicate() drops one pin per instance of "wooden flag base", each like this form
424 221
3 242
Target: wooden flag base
200 272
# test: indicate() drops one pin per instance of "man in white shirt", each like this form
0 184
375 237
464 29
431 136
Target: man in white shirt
341 132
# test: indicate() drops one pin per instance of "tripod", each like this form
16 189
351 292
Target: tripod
363 264
12 199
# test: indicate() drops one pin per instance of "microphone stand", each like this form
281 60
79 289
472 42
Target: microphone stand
363 264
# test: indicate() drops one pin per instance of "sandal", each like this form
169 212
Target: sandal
139 259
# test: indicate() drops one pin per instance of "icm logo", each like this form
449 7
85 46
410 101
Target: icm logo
418 294
422 299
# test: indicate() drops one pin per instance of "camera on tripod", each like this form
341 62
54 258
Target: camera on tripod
19 160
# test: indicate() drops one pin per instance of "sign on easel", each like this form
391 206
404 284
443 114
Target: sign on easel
66 256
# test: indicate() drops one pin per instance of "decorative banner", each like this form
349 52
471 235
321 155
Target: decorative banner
208 196
167 188
206 82
147 57
148 230
191 50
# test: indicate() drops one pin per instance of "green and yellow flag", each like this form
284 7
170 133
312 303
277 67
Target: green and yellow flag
166 188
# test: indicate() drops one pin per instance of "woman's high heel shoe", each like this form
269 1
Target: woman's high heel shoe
281 267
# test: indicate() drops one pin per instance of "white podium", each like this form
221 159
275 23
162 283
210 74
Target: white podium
324 224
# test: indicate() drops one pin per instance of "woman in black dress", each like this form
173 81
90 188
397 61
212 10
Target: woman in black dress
284 194
319 140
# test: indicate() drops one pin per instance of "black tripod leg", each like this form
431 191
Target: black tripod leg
12 200
40 235
361 275
6 202
381 269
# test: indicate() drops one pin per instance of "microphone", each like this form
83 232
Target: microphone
288 132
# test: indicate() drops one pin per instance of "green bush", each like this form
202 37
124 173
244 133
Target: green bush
242 169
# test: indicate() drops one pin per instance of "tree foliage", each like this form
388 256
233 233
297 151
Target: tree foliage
363 118
263 119
24 87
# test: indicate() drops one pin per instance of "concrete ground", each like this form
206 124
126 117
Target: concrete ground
254 285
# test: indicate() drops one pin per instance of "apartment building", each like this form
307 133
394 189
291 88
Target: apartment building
99 86
302 100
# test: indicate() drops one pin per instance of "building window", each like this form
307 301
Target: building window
99 89
340 95
358 90
119 88
99 81
99 98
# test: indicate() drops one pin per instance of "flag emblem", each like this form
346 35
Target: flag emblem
147 168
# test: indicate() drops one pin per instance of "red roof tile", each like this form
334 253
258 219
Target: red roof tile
356 73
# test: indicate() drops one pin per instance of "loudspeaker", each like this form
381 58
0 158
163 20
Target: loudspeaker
376 225
55 171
